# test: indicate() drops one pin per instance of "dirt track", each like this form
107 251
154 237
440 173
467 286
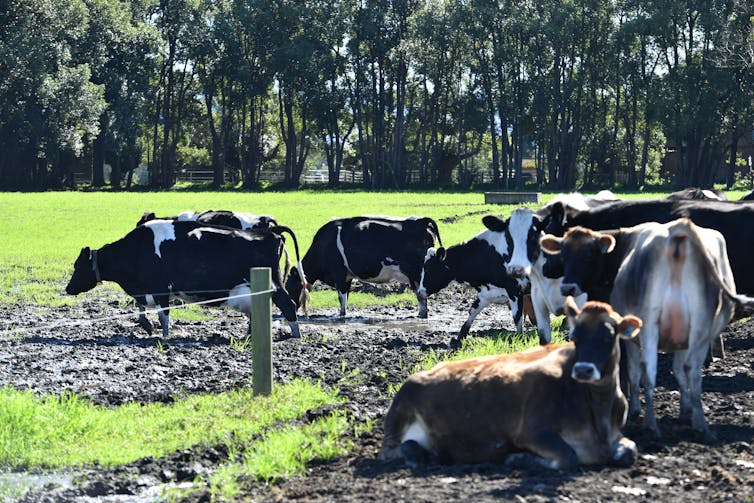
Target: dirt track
115 362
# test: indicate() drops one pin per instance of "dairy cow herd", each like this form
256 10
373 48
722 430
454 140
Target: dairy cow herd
633 277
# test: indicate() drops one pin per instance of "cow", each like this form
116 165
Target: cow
560 402
677 278
735 221
522 230
698 194
480 264
234 219
374 249
163 259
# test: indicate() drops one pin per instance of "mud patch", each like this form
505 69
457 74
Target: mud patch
115 362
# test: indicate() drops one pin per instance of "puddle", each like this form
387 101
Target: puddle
406 324
13 485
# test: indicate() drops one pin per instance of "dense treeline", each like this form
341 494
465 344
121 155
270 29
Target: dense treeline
403 91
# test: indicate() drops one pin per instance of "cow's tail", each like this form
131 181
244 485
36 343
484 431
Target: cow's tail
303 300
686 231
435 229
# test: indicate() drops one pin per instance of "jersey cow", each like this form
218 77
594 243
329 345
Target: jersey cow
559 402
478 263
163 259
235 219
677 278
374 249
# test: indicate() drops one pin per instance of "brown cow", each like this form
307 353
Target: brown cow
561 402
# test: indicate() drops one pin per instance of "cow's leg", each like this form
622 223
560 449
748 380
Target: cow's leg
421 299
625 453
476 307
163 313
649 367
143 321
283 301
633 359
717 347
343 288
551 446
693 368
681 375
542 313
517 310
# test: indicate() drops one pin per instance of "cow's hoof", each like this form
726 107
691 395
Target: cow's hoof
414 454
455 343
624 456
146 326
709 437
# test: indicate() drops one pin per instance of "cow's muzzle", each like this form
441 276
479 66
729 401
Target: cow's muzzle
585 372
517 271
571 289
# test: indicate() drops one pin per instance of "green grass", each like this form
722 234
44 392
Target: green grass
47 230
283 454
54 431
44 232
498 342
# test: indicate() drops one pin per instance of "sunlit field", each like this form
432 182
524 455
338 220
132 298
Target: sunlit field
42 233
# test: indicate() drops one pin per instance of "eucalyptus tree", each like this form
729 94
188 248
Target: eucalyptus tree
176 21
118 48
697 96
48 105
254 24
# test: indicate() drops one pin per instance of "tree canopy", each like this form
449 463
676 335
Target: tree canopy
405 93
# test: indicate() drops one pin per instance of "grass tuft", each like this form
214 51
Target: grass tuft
53 431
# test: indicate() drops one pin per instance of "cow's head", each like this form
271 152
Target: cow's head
581 258
436 273
596 330
265 221
84 277
298 290
522 231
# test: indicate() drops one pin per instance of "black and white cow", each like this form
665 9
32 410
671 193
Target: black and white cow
374 249
699 194
478 263
235 219
523 229
163 259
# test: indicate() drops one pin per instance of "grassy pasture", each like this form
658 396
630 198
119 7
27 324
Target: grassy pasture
42 235
43 232
46 231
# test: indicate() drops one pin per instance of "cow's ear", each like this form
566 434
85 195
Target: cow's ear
558 214
551 244
441 253
494 223
607 243
86 253
629 327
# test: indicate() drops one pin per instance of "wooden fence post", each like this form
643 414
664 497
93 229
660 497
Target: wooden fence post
261 330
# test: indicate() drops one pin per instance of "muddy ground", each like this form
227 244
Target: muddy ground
114 361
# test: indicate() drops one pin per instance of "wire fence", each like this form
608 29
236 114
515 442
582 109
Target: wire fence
13 330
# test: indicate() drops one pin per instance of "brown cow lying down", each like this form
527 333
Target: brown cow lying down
560 402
